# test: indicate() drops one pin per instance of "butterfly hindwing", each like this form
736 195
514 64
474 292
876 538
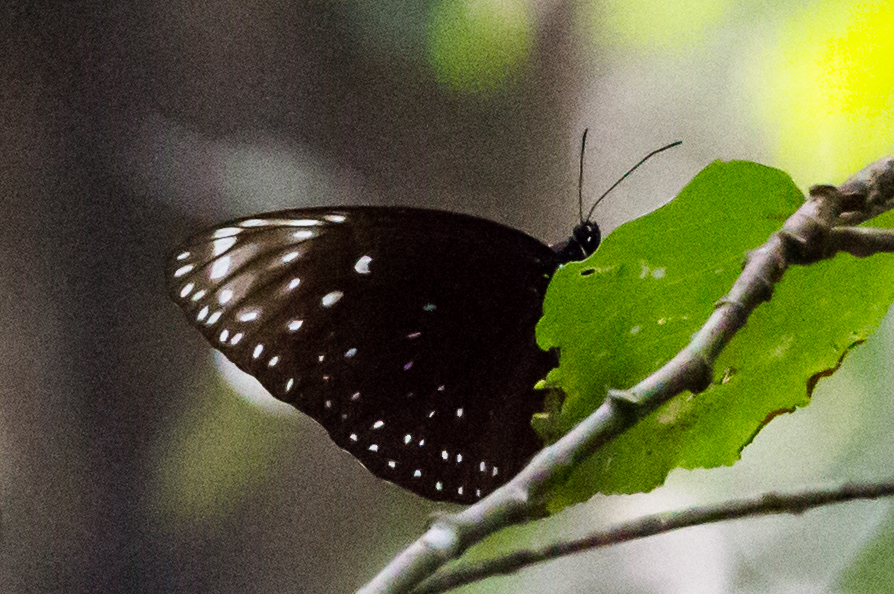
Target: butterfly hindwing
407 334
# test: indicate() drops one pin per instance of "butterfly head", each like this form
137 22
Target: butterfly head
586 237
584 240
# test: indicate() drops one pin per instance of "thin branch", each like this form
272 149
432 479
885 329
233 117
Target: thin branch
861 241
763 505
806 237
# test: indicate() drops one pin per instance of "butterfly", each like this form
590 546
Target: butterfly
408 334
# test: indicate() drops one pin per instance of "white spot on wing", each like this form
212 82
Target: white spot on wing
289 257
202 313
235 340
289 384
273 361
183 270
417 473
362 265
295 324
224 296
220 267
294 283
334 218
186 290
249 316
353 437
223 244
378 424
373 448
408 438
182 256
257 352
332 298
254 223
392 463
214 317
439 486
199 294
350 353
304 234
226 232
303 222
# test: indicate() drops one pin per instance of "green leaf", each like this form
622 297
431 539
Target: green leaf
625 311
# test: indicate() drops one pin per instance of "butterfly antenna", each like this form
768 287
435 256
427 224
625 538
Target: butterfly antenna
623 177
580 178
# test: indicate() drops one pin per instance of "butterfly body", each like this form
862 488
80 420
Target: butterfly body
408 334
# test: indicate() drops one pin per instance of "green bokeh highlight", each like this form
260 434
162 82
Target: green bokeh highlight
650 26
479 46
210 461
653 285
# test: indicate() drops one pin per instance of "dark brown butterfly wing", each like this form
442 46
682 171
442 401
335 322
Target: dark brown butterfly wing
408 334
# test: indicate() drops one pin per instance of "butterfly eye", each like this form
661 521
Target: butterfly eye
407 334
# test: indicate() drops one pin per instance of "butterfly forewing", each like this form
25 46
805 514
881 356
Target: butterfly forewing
408 334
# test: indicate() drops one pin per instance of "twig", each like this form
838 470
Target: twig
763 505
862 241
808 236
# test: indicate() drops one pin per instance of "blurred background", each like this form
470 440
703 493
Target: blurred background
133 460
